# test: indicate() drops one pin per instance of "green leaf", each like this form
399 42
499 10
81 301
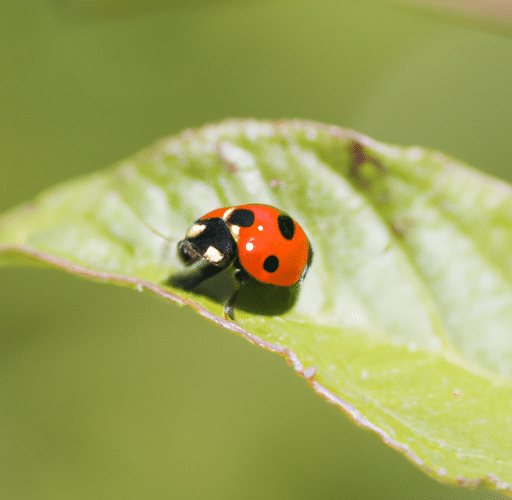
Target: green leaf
405 318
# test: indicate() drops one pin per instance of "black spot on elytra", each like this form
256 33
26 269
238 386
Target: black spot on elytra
286 226
271 264
242 217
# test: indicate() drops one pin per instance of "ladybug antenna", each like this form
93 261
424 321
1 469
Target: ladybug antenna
158 233
168 241
153 229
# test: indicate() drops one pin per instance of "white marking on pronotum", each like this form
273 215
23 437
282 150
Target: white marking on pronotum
227 213
213 255
235 231
195 230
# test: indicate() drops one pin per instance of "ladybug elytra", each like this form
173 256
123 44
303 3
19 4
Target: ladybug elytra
259 240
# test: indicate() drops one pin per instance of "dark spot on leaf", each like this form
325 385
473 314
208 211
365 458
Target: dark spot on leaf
358 159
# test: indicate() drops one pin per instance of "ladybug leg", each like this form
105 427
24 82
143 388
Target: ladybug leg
240 276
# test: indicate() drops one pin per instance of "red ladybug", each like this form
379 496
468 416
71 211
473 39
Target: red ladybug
259 240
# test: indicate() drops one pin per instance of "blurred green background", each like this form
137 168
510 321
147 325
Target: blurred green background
106 393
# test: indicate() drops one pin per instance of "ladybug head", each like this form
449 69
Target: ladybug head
209 239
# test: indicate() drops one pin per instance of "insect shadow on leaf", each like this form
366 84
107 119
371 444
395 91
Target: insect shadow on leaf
253 297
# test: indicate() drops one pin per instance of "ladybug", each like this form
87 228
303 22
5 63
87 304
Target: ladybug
260 241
